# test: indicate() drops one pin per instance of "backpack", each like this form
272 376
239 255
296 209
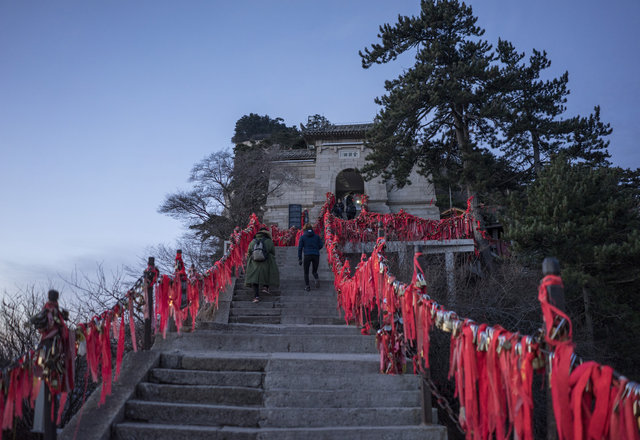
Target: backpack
259 252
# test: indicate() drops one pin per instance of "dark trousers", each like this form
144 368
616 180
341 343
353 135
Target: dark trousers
256 289
310 260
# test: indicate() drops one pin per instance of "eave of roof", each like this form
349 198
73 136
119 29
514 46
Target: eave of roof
343 131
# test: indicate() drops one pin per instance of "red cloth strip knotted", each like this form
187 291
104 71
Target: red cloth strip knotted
121 335
92 339
496 408
162 303
560 390
592 401
550 312
464 368
105 350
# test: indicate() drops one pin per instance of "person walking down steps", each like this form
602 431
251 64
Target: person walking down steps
310 243
262 269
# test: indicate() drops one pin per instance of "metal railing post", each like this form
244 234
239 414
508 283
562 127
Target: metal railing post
50 429
555 294
425 398
148 321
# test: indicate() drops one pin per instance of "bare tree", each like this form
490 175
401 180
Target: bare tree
17 335
202 254
93 294
227 189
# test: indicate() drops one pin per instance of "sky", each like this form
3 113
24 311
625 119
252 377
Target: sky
106 106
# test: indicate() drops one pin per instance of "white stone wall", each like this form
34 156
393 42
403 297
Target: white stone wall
298 193
419 198
319 177
330 162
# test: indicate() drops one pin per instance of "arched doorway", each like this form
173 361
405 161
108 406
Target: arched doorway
349 181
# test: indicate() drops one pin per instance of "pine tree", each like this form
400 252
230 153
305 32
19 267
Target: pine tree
529 113
588 217
434 113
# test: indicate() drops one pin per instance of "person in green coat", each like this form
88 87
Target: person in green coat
262 273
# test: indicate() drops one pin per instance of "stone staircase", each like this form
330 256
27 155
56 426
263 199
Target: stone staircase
285 368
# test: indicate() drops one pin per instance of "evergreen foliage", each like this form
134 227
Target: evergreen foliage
463 100
529 115
589 218
436 113
265 130
315 122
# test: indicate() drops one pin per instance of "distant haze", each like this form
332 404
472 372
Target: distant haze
107 105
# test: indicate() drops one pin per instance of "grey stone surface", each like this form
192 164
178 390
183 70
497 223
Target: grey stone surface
306 398
94 422
180 413
212 394
141 431
353 416
319 175
304 376
224 303
220 378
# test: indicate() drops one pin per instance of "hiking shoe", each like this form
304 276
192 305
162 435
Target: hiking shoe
307 288
317 283
256 299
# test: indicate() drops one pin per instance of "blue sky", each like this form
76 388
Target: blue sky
105 106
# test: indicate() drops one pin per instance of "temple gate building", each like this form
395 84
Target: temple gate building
331 163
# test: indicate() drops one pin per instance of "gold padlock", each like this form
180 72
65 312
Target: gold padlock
537 363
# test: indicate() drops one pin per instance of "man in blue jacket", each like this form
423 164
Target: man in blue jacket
311 244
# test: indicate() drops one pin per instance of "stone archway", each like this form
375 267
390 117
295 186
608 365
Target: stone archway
348 181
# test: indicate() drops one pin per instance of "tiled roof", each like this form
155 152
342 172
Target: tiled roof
349 131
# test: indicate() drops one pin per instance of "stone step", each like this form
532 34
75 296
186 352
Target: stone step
216 415
252 319
310 301
256 311
291 363
250 305
321 363
301 398
282 329
338 381
317 308
311 320
257 342
220 395
353 416
247 298
196 377
138 431
205 362
297 290
192 414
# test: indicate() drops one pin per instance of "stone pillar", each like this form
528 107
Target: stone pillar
451 281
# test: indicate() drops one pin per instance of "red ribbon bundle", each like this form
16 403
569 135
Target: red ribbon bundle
162 303
20 388
105 353
463 367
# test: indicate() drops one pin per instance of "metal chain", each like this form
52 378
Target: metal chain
443 402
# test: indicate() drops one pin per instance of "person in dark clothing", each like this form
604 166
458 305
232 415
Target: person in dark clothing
263 272
311 244
338 208
351 208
